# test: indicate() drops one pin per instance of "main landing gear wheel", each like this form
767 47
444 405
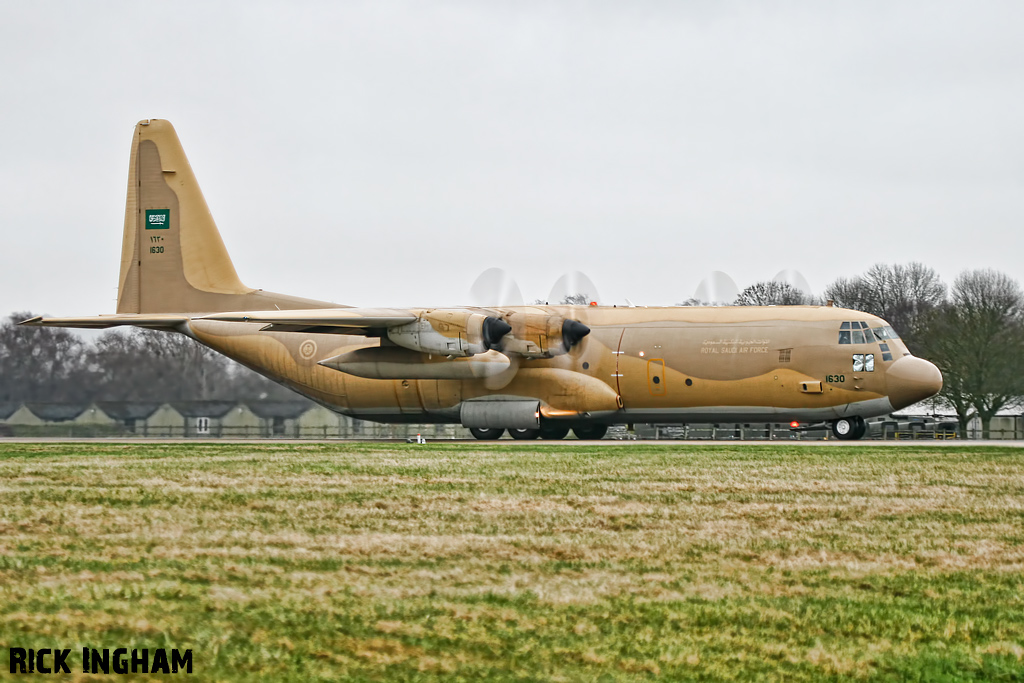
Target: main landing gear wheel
591 432
553 432
849 428
524 434
486 434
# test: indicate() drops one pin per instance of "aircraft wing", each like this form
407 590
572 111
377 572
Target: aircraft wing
357 321
100 322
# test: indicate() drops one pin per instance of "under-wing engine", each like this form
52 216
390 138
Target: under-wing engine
460 333
535 335
453 333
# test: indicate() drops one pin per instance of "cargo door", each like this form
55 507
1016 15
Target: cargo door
641 372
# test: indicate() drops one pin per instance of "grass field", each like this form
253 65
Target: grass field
521 562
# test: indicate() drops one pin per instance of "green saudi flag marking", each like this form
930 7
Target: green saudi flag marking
158 219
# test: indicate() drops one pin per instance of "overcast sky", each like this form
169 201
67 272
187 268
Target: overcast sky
387 153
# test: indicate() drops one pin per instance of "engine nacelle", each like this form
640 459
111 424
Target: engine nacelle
536 335
450 332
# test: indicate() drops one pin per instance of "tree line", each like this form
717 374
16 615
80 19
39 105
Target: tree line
57 365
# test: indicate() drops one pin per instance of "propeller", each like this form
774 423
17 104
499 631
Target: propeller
493 330
495 287
574 288
717 289
573 331
795 279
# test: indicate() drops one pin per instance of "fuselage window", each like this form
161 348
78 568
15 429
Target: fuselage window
863 362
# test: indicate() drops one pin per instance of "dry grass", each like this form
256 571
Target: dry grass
520 562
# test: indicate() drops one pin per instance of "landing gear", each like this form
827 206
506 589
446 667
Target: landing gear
554 431
849 428
590 432
524 434
486 434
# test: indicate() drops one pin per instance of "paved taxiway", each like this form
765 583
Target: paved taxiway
946 443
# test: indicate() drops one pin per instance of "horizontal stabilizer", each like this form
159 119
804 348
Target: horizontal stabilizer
101 322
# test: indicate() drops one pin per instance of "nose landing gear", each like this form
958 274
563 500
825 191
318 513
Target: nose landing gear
849 428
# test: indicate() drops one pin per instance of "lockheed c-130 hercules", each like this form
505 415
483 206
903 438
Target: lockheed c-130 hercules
531 370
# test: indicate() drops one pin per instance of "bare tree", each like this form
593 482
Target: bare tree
41 364
575 299
977 340
771 293
56 365
143 365
903 295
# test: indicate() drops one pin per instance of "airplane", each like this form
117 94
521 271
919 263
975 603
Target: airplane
533 371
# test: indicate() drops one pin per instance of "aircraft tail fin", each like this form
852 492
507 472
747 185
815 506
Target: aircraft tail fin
172 256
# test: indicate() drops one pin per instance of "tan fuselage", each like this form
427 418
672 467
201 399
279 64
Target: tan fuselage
677 364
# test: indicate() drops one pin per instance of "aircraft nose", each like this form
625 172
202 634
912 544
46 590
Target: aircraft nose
911 379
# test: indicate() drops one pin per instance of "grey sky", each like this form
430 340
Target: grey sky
399 149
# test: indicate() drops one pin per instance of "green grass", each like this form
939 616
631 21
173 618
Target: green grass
371 562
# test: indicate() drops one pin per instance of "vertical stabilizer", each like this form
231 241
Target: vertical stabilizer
172 255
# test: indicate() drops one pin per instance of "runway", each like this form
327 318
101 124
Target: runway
943 443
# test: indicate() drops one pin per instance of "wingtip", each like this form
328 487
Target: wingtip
34 321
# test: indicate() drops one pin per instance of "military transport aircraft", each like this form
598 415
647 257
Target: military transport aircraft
531 370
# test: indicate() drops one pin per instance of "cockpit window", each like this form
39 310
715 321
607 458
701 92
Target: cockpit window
883 333
858 332
855 332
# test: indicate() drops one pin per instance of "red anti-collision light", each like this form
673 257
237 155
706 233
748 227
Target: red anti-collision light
794 424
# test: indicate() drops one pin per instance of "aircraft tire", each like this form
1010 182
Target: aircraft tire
486 434
849 429
554 432
524 434
591 432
